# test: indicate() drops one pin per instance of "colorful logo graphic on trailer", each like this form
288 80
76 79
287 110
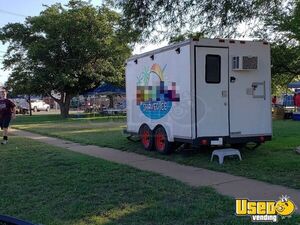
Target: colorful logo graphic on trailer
155 101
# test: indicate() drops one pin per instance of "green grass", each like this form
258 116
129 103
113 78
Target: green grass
49 185
54 118
274 162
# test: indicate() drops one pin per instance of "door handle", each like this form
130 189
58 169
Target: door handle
232 79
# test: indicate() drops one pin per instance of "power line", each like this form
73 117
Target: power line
11 13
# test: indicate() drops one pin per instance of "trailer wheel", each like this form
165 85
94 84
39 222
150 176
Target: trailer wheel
162 145
146 137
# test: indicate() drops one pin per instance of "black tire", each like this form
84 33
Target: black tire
146 137
162 145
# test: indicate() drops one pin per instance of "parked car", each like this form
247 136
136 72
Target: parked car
22 106
39 105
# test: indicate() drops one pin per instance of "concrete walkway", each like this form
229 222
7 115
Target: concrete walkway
234 186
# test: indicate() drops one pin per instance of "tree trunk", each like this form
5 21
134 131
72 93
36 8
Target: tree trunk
29 104
64 103
64 110
29 100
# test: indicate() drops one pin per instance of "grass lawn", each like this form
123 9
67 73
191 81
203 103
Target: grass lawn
274 162
49 185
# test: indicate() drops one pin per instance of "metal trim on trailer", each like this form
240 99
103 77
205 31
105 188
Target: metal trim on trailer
246 139
226 139
192 106
195 93
228 80
159 50
210 46
249 135
184 140
234 140
270 88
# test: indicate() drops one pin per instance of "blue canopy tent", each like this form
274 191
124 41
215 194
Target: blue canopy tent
294 85
110 91
107 89
288 99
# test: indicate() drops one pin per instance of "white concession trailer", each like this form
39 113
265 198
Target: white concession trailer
203 92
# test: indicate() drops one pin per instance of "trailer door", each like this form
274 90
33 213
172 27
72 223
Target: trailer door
211 79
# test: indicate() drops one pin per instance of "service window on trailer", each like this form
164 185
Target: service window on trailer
211 79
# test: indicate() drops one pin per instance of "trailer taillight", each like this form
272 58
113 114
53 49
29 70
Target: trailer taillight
262 139
204 142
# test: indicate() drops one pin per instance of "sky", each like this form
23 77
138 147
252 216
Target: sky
12 11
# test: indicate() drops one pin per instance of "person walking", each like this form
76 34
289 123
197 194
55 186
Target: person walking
7 112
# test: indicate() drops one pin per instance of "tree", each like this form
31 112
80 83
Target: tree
210 17
286 23
286 49
67 50
21 83
285 66
183 37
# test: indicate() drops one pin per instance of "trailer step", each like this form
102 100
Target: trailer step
221 153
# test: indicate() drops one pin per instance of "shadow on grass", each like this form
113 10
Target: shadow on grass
48 185
274 162
38 119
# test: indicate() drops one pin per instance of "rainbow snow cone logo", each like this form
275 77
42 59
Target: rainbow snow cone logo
155 101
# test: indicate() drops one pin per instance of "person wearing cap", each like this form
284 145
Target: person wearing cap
7 112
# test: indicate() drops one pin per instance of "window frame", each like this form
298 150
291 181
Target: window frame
219 72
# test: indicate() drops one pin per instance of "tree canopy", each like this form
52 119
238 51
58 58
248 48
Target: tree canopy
210 17
67 50
286 47
285 66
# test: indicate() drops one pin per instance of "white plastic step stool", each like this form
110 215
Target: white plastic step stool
221 153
